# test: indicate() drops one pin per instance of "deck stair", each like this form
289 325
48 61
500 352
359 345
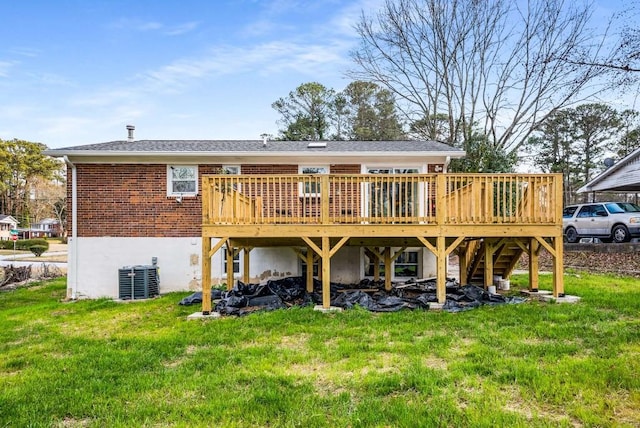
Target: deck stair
505 258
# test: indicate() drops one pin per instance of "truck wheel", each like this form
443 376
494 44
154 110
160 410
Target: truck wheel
620 234
571 235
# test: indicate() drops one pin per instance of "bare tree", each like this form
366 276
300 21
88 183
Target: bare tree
491 66
619 57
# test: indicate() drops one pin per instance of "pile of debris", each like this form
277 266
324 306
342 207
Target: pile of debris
12 277
284 293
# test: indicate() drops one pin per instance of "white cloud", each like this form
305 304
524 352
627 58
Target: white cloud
25 51
148 26
344 21
64 125
50 79
182 28
5 66
135 24
265 58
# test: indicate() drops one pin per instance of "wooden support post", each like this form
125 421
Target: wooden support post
206 275
326 272
441 273
488 263
374 256
309 262
534 264
230 252
387 268
246 271
558 267
462 264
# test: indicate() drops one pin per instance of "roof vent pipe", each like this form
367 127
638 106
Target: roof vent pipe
265 138
130 129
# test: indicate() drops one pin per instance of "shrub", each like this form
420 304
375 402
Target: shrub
24 244
37 250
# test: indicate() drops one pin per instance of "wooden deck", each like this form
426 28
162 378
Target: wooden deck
488 219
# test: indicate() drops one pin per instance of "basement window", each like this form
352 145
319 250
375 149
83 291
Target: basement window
405 266
182 180
236 261
303 266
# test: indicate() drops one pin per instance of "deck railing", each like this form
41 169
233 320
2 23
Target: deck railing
382 199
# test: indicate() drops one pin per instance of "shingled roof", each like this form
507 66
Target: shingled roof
254 147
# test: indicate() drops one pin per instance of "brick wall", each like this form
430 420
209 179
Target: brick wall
131 199
345 169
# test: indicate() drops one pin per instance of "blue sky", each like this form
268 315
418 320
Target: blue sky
77 71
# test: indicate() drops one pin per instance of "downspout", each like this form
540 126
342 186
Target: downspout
73 271
447 161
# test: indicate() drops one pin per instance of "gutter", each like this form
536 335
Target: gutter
72 273
109 155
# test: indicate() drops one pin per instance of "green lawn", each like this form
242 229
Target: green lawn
101 363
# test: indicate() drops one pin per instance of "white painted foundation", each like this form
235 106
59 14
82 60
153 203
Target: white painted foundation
179 260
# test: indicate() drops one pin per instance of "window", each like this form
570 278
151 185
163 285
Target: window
622 207
231 169
182 180
393 199
405 266
303 266
568 212
311 187
599 211
585 211
592 211
236 261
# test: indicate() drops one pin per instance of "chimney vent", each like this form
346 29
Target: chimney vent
130 129
265 138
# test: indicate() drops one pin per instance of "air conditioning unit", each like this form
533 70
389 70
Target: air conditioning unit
138 282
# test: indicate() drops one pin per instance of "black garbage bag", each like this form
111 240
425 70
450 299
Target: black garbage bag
370 283
235 301
349 299
196 298
453 306
253 290
288 289
269 302
193 299
426 298
494 299
474 293
222 308
392 304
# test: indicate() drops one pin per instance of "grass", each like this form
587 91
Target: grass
102 363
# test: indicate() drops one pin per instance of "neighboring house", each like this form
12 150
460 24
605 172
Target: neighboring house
7 223
623 176
197 206
48 228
